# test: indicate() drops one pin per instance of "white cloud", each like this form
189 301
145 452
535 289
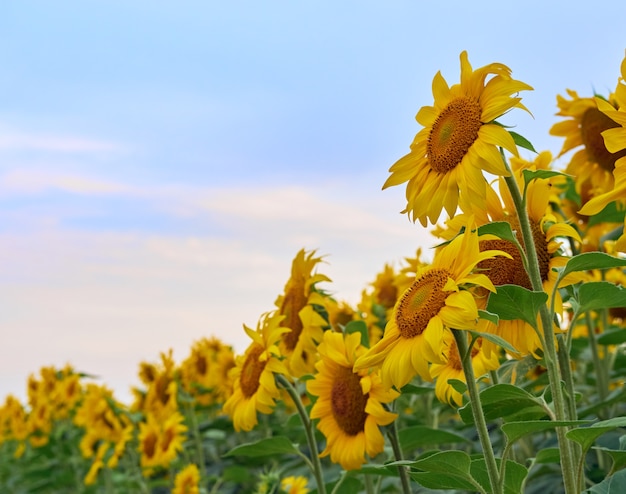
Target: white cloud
24 141
105 301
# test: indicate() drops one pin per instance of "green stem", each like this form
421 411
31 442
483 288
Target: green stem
550 355
196 435
308 429
602 383
460 337
394 439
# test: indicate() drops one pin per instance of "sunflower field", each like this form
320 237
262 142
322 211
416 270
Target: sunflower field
494 364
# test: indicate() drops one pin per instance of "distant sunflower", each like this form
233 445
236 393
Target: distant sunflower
349 403
453 369
459 140
294 485
254 386
187 480
160 440
436 300
303 323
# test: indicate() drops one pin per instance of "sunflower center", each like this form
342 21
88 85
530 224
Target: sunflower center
453 133
251 372
504 271
201 365
501 270
348 401
149 445
422 301
592 124
294 301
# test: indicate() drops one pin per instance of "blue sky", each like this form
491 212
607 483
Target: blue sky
162 162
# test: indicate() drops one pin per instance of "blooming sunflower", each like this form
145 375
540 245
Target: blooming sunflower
160 441
254 387
303 323
453 369
459 140
349 403
187 480
436 300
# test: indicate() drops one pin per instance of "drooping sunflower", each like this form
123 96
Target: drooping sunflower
459 140
254 386
453 369
304 324
187 480
349 403
549 233
437 299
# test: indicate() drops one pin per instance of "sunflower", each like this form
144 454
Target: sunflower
453 369
294 485
593 162
254 387
459 140
436 300
303 323
349 403
615 142
204 373
548 234
187 480
160 441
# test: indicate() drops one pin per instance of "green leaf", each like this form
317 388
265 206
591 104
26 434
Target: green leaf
420 436
589 261
359 327
492 318
514 475
610 214
501 342
548 455
521 141
585 436
444 470
278 445
441 481
615 484
617 455
412 389
502 400
530 175
596 295
501 229
514 430
614 337
515 302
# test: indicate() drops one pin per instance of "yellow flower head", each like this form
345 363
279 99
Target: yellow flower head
304 324
161 441
593 162
459 140
187 480
437 299
254 386
349 403
294 485
205 372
